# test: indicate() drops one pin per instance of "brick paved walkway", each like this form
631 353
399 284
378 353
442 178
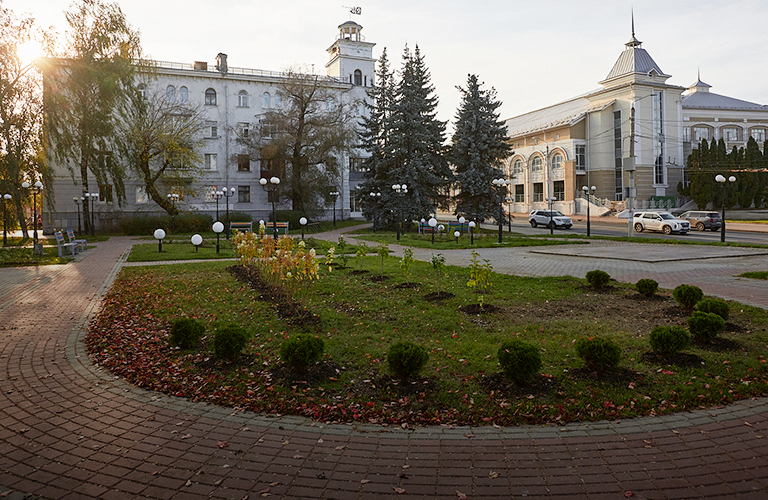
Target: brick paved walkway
68 430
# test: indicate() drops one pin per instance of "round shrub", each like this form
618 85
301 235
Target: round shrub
301 351
705 326
406 359
520 361
599 354
597 278
186 333
669 340
687 296
647 287
229 341
717 306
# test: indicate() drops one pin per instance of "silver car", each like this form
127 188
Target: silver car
660 221
549 218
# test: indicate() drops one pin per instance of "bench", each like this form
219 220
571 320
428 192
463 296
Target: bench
70 247
241 226
83 244
457 226
280 225
425 228
312 227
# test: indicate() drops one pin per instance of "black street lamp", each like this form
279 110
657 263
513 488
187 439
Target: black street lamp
472 232
6 197
77 201
501 182
399 189
550 200
587 193
303 221
375 199
509 211
218 227
721 179
433 225
228 193
217 196
334 195
92 197
173 197
271 188
36 188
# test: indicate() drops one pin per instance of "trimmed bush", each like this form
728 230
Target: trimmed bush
597 278
599 354
687 296
647 287
705 326
301 351
240 217
669 340
406 359
229 341
184 222
717 306
520 361
186 333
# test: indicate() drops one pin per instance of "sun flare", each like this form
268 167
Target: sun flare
29 51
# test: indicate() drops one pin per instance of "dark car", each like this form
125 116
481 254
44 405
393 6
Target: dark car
702 220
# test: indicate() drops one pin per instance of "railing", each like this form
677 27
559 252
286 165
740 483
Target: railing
232 70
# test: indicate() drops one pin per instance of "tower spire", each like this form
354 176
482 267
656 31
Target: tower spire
633 42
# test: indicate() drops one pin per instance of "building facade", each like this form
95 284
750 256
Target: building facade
234 100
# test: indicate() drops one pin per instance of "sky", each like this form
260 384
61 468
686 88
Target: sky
534 54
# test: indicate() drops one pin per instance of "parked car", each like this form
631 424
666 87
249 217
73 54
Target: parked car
547 217
703 220
660 221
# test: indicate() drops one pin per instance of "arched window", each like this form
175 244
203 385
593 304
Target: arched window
142 90
242 99
329 104
266 100
358 77
557 161
517 169
170 93
536 164
210 97
277 101
183 94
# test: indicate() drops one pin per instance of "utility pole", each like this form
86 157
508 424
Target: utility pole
631 169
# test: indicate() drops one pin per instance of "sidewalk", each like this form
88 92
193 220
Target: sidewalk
70 431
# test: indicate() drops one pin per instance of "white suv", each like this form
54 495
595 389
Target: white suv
660 221
547 218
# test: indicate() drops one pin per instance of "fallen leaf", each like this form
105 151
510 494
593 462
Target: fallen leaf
365 481
628 494
222 444
461 495
399 491
493 475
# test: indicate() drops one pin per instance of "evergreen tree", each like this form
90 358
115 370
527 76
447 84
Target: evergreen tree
414 148
478 148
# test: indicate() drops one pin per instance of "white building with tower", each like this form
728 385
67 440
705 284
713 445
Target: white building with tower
233 99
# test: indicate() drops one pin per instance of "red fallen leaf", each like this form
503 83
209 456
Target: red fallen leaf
399 491
222 444
667 372
461 495
628 494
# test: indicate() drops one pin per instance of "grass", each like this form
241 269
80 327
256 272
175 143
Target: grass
758 275
361 318
482 240
22 256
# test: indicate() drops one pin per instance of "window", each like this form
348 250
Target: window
273 196
243 194
210 161
538 191
243 163
517 169
357 165
269 129
170 93
141 195
731 134
658 139
278 102
358 77
209 193
178 190
354 201
142 90
273 168
105 193
519 193
758 134
330 104
557 162
183 95
701 134
243 129
536 164
210 97
581 157
242 99
211 130
266 100
558 188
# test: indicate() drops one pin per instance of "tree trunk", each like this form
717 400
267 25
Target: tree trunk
84 184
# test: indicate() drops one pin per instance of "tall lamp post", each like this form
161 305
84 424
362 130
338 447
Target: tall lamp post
217 196
375 198
550 200
721 179
36 188
399 189
501 182
587 193
92 197
173 197
334 195
6 197
228 193
509 210
77 201
270 186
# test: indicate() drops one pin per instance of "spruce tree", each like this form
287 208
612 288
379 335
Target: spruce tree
477 151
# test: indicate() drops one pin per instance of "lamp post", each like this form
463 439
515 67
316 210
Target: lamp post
77 201
501 182
6 197
271 187
456 235
587 193
399 189
159 235
550 200
92 197
228 193
721 179
472 232
173 197
303 222
217 196
432 224
334 195
375 199
36 188
196 240
218 227
509 210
